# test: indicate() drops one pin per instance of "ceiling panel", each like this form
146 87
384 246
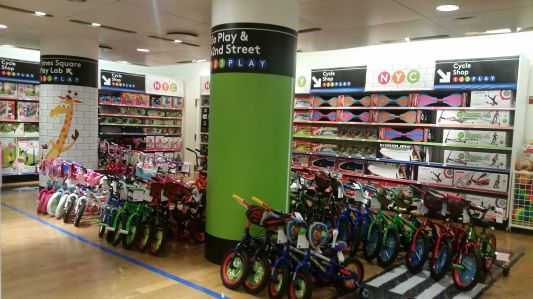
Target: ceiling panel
343 14
57 7
427 7
197 10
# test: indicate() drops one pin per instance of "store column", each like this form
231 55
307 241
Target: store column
253 60
68 110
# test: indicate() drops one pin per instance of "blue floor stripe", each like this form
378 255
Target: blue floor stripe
120 255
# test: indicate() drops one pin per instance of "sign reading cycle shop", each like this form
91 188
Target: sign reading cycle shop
69 70
121 81
13 70
253 48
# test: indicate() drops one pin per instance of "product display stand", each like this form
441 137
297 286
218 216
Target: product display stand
204 128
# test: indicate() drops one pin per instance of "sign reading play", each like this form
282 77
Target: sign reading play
121 81
350 79
69 70
252 47
483 73
13 70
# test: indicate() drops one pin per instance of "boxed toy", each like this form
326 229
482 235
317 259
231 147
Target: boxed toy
300 160
166 142
355 116
490 138
404 134
8 89
395 116
358 132
480 117
492 98
166 102
323 115
322 162
28 155
301 146
302 116
325 101
159 142
325 131
301 130
451 100
356 151
500 204
349 166
479 159
28 111
357 101
177 103
389 170
150 142
326 148
7 110
383 100
434 175
9 153
302 102
404 152
28 91
480 180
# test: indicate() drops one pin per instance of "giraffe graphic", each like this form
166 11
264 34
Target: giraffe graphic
66 106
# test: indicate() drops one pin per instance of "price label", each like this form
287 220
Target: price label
302 243
282 237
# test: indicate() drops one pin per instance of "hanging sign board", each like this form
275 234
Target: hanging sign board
482 73
12 70
112 80
400 76
205 85
337 80
164 86
69 70
302 81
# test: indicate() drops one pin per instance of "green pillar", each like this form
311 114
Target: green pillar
253 61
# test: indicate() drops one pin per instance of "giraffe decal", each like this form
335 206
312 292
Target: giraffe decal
66 107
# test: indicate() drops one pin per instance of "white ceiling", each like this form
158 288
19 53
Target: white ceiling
344 23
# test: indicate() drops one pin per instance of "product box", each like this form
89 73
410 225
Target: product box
8 154
492 98
395 116
355 116
383 100
389 170
301 130
325 131
150 142
28 91
28 155
404 152
177 103
301 146
7 110
155 101
485 138
480 180
358 132
358 101
302 115
349 166
302 102
434 175
326 148
8 89
324 115
300 160
500 204
327 163
28 111
166 101
356 151
404 134
479 117
450 100
159 142
325 101
165 142
29 130
479 159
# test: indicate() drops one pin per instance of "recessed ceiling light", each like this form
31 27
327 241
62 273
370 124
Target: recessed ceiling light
199 60
143 50
447 7
2 26
518 29
96 24
39 13
407 39
497 31
178 41
123 61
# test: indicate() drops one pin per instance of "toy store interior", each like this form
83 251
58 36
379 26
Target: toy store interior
266 148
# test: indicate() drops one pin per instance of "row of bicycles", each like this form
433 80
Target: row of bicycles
333 220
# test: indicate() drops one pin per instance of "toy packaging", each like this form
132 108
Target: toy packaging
325 101
349 166
356 151
500 204
301 146
395 116
301 130
302 102
355 116
9 153
327 163
165 142
488 138
28 111
404 152
177 102
389 170
452 100
434 175
302 116
383 100
326 148
479 159
405 134
150 142
159 142
323 115
8 89
482 117
28 91
7 110
28 155
492 98
480 180
357 101
300 160
358 132
325 131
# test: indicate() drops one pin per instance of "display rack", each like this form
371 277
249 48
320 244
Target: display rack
521 214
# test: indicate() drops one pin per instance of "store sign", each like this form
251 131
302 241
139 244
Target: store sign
13 70
69 70
113 80
164 86
253 48
205 85
483 73
302 81
400 76
337 80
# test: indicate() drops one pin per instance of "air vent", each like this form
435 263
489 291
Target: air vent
172 40
103 26
12 8
429 37
104 47
185 33
308 30
464 18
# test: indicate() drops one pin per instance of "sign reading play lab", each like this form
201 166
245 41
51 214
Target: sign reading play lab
68 70
339 79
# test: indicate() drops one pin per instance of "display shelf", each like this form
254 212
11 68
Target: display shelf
19 173
204 106
399 125
18 99
18 121
418 163
103 134
19 136
407 108
162 150
139 106
139 116
139 125
437 144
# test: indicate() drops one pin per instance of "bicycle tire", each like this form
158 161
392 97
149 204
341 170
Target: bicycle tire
372 242
81 210
71 201
358 237
466 279
442 259
146 235
133 233
488 249
110 223
417 253
121 224
344 283
279 282
51 205
60 210
234 260
301 286
103 218
388 253
158 241
258 275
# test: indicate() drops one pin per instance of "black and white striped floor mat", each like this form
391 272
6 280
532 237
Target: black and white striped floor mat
398 282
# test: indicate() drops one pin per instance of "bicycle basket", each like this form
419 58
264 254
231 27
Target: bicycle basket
433 204
455 207
322 182
255 214
317 235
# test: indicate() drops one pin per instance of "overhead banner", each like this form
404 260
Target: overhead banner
164 86
302 81
396 76
13 70
482 73
205 85
337 80
112 80
69 70
253 48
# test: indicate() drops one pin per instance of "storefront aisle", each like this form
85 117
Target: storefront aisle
57 260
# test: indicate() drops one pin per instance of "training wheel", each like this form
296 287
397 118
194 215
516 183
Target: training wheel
365 292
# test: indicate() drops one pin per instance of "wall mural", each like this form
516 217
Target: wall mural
66 107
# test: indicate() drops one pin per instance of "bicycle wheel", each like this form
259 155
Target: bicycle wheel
131 238
346 283
71 201
110 223
417 253
277 286
258 276
488 248
146 235
346 234
41 206
389 249
372 243
103 220
121 225
442 258
52 203
301 286
465 279
358 236
234 269
60 210
81 210
158 241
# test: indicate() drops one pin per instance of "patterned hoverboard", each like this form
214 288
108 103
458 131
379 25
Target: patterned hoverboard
319 116
348 116
384 101
406 117
365 101
320 102
416 135
453 100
